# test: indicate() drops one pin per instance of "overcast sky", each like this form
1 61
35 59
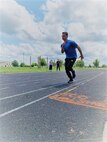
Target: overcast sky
34 27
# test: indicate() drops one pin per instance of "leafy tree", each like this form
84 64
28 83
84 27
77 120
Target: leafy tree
104 66
22 65
53 63
15 63
79 63
42 62
96 63
61 63
34 64
89 66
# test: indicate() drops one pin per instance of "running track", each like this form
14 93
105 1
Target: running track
36 107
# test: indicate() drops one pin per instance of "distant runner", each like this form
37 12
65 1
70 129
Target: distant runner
69 47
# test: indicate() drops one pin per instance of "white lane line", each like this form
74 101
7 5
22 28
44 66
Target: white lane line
25 93
27 81
91 140
21 85
86 81
30 103
105 133
4 88
32 91
20 82
18 108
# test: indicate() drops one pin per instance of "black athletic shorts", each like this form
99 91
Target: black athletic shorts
69 62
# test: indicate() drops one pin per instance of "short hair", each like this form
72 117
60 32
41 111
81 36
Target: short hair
66 33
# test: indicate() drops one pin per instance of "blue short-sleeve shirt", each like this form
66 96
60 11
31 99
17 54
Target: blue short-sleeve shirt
70 49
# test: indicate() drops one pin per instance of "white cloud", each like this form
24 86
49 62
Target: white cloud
15 19
44 49
84 20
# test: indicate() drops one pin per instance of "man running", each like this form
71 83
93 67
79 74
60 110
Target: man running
69 47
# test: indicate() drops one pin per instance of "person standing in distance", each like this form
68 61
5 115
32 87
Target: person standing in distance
50 65
58 65
69 47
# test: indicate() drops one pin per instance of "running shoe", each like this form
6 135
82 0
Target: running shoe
70 81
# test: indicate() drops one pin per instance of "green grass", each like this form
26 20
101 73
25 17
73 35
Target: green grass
33 69
86 68
21 69
24 69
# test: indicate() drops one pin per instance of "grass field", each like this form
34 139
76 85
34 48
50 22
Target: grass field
33 69
21 69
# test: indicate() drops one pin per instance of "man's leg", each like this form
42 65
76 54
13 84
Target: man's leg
58 67
71 66
67 68
73 73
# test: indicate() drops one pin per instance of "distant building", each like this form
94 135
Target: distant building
5 64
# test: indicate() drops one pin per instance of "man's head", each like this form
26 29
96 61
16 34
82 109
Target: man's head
64 36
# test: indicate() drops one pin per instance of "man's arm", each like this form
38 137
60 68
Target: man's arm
62 49
80 51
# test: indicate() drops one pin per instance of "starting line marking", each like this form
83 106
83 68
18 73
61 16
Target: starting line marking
82 100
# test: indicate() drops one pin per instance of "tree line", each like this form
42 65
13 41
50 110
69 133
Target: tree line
43 63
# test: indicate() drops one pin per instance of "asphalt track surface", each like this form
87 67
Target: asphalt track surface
42 107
